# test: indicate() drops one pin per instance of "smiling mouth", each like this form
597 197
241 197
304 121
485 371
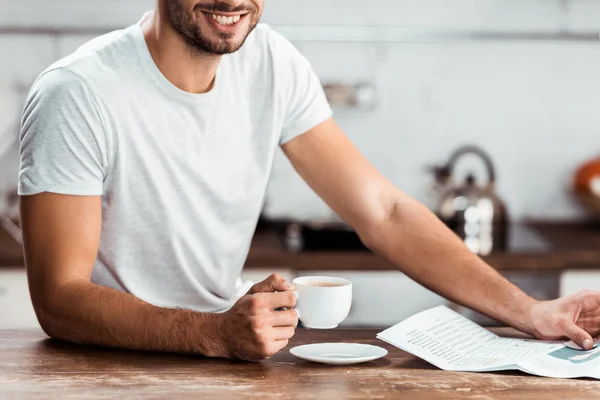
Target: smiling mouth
224 20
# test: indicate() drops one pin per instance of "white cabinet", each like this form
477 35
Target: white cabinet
541 285
379 298
383 298
16 311
575 280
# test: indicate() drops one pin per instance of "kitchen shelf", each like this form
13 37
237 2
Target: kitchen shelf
399 34
571 246
368 34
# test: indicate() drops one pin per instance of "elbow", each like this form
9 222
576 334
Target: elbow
381 231
370 237
49 321
56 308
51 316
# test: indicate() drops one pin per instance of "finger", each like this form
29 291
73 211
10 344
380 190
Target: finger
281 343
590 315
274 283
274 347
284 318
283 333
280 299
591 327
595 321
576 334
589 300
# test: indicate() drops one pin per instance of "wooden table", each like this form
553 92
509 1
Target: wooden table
34 367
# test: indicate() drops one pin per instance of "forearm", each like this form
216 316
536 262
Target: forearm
84 313
428 252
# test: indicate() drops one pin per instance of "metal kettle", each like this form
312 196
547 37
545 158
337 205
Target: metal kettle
472 210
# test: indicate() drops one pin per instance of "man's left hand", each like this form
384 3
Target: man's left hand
576 317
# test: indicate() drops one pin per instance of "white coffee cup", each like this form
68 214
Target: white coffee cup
323 301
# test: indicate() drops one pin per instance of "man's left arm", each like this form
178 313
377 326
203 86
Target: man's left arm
407 233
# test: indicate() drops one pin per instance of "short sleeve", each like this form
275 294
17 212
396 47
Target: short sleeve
307 105
62 140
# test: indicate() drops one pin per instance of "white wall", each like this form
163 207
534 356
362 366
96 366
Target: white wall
531 104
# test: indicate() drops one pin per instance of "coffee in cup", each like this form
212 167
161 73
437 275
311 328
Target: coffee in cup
323 301
325 284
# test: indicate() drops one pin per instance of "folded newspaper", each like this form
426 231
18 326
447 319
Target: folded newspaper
452 342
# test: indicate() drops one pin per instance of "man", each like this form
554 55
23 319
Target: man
145 157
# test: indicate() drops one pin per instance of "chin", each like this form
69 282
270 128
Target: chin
222 46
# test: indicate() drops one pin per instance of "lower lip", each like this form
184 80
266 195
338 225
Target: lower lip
225 28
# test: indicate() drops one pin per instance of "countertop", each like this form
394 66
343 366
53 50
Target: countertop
34 367
541 246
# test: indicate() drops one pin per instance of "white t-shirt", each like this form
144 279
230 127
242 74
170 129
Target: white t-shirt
182 176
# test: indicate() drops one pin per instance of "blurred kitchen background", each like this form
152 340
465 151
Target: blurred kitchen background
412 82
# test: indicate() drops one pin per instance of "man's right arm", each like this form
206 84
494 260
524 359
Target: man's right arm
61 236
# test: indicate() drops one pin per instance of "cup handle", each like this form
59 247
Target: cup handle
297 311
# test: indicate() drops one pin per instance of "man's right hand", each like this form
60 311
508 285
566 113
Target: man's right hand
252 329
60 256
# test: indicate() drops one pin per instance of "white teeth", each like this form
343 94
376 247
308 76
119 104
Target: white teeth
224 20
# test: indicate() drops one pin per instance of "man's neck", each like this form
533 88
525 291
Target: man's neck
188 70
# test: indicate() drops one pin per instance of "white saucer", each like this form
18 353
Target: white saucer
339 353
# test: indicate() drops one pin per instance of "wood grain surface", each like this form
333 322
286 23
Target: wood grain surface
35 367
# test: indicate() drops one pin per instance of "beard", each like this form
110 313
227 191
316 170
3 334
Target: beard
201 38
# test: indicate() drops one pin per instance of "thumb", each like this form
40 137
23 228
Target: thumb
274 283
579 336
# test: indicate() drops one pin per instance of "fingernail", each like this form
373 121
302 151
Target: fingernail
289 286
587 343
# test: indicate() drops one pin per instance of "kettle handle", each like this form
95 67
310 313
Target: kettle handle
471 149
